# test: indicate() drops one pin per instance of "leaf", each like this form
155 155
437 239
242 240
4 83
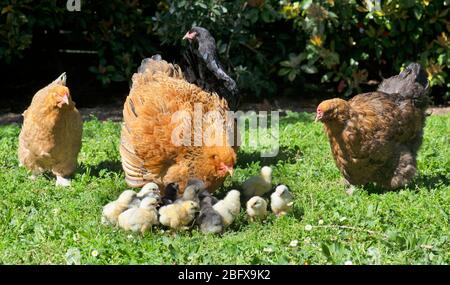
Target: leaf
332 15
292 75
283 71
118 78
326 251
326 77
7 9
310 69
362 9
305 4
286 63
417 14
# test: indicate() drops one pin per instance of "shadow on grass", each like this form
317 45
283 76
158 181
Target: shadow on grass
431 181
422 181
94 170
287 155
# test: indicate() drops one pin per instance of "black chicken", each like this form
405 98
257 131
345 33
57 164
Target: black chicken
201 67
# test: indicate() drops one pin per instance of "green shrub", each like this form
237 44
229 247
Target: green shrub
268 45
349 42
117 30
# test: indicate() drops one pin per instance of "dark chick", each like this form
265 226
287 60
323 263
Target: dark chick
193 188
205 193
375 136
202 67
197 183
209 220
170 193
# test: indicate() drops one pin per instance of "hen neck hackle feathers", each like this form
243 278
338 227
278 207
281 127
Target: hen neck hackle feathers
333 113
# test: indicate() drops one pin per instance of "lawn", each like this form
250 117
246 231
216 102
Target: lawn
42 224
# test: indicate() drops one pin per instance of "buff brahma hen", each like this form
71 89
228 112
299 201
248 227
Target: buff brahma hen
50 139
159 139
375 136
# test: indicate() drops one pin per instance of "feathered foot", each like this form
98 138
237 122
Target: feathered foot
349 188
405 171
61 181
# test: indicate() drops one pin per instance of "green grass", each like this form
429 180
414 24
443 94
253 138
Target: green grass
42 224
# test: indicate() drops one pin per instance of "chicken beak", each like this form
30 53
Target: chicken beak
190 36
65 99
230 171
318 117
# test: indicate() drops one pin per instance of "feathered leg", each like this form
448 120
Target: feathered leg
61 181
405 170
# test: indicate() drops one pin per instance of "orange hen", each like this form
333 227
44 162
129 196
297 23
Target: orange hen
148 151
50 139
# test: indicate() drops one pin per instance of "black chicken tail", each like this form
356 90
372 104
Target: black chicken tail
411 83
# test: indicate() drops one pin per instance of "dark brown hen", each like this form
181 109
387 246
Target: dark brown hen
375 136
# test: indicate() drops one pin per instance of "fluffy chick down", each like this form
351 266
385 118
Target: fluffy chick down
229 207
281 201
112 210
209 220
257 208
178 215
258 185
140 219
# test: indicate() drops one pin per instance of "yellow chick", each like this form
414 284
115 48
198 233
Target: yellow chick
257 208
178 215
281 200
140 219
149 190
112 210
258 185
229 207
50 139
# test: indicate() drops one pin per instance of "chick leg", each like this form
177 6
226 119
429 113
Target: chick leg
61 181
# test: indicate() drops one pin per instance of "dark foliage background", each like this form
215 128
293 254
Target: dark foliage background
299 49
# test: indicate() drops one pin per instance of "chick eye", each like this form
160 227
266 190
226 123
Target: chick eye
215 156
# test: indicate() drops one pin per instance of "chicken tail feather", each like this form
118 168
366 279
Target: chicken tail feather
61 80
411 83
155 65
